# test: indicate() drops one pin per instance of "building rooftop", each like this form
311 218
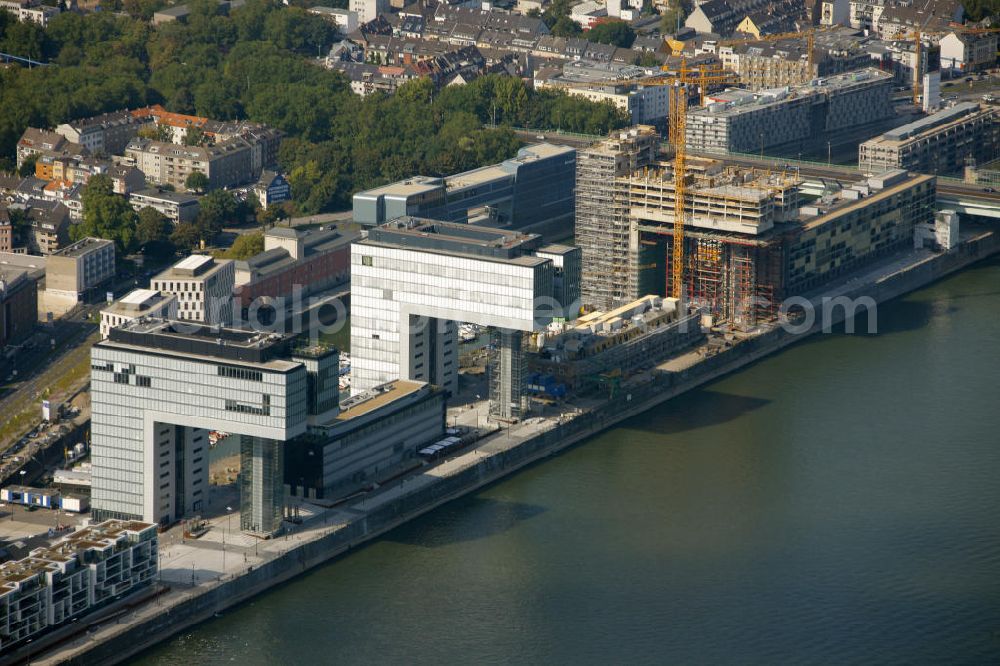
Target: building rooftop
408 187
910 130
375 398
83 246
199 342
453 238
195 266
734 102
884 185
138 301
165 195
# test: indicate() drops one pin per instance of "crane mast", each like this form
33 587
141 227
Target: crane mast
678 118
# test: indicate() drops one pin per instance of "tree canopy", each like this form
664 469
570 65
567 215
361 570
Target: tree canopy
253 64
106 215
618 33
246 246
976 10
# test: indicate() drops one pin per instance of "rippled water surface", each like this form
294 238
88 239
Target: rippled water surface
837 503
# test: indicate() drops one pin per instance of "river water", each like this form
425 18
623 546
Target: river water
836 503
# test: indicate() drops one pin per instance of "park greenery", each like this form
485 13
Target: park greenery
257 64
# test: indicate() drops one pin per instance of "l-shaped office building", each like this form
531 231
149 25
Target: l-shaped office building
159 386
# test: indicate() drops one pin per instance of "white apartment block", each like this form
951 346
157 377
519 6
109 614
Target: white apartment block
367 10
203 286
76 576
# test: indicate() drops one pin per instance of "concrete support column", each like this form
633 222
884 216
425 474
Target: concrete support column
507 399
262 471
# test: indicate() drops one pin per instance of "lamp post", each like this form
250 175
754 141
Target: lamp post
229 516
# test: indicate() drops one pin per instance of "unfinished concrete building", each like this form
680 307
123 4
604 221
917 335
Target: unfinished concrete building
940 144
601 224
749 241
739 121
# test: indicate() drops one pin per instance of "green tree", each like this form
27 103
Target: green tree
27 167
217 208
152 233
566 27
246 246
157 132
673 16
195 137
106 215
977 10
618 33
196 181
186 236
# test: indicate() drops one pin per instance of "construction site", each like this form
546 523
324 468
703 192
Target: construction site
730 242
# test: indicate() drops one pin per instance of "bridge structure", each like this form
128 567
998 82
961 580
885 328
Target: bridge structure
10 57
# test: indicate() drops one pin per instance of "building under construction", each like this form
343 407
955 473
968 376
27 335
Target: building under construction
624 228
748 239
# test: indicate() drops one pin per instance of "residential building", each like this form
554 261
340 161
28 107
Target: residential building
224 164
742 122
942 143
601 225
272 189
968 52
18 305
533 190
30 11
6 231
345 19
368 10
175 206
203 286
723 17
80 268
294 264
106 134
618 84
835 12
39 142
80 574
413 280
137 303
901 18
869 220
49 226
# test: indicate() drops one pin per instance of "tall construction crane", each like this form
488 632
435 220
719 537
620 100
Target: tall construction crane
678 123
917 34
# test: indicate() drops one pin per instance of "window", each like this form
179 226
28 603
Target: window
366 260
240 373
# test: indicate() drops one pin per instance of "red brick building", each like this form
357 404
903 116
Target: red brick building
313 260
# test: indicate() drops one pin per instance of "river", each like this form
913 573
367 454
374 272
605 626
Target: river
836 503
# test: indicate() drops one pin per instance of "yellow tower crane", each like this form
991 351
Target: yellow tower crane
678 123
